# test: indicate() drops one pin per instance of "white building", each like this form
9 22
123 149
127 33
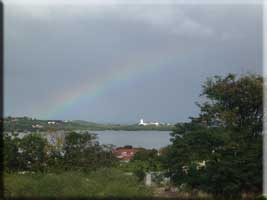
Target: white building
37 126
148 123
142 122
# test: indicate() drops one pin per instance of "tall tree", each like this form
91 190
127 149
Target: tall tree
82 151
220 151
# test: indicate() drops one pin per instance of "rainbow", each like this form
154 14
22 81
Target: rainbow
116 78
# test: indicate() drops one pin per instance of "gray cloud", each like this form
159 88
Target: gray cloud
52 49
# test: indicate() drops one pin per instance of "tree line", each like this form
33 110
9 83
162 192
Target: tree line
75 151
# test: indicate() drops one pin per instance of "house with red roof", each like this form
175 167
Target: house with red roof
125 154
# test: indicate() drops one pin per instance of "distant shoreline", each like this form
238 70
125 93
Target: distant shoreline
29 124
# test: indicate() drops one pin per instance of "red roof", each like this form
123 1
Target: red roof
125 153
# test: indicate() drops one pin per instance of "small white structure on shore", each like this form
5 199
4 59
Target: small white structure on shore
149 123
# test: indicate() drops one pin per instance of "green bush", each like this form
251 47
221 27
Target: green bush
261 197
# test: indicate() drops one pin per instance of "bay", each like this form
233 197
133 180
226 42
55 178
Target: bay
144 139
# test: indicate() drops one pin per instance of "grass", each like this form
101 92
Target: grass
101 183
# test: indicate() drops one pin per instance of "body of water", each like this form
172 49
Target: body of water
145 139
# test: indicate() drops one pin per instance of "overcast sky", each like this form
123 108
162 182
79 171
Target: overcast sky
119 63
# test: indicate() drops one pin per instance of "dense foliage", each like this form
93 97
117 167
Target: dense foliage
146 160
34 152
71 166
220 151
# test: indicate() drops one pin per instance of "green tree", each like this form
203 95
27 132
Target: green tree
150 158
11 152
145 155
32 152
82 151
220 151
235 103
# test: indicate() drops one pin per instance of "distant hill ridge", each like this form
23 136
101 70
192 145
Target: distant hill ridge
30 124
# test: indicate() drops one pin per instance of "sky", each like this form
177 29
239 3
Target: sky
117 63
